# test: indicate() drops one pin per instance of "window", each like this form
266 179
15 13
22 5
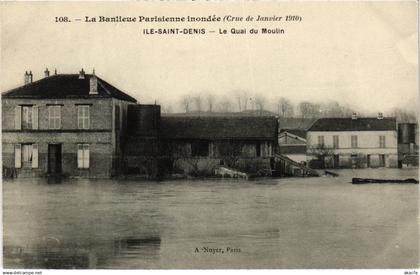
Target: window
335 141
83 156
26 117
321 140
353 141
54 117
26 155
381 141
200 148
83 117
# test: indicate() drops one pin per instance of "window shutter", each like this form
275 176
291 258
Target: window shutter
18 117
34 155
86 156
35 117
79 156
18 155
59 117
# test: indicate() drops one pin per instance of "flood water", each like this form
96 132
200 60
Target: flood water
271 223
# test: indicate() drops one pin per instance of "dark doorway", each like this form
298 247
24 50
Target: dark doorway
54 159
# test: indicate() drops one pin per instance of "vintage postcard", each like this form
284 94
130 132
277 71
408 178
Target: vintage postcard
209 135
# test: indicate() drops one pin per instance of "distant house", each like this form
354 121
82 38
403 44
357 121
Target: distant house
196 145
71 124
353 142
292 143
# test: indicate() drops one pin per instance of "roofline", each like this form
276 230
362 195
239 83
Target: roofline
214 116
296 136
369 130
226 138
349 118
5 93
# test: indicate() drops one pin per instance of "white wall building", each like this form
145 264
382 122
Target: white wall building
353 142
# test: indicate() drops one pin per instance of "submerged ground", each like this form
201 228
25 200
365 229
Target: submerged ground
272 223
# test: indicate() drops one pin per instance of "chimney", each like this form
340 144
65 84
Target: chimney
82 74
47 72
354 116
380 116
26 78
93 85
30 77
55 71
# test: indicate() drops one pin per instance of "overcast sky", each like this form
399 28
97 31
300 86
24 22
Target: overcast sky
361 54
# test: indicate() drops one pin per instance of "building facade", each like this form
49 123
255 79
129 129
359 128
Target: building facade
353 143
64 124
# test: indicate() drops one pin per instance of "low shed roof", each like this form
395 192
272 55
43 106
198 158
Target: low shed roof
245 128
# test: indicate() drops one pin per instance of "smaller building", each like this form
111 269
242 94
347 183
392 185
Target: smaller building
353 142
292 144
197 145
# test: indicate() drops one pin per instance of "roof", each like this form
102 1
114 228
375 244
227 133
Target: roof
65 86
290 149
245 128
359 124
297 132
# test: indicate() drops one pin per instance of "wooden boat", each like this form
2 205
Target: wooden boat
367 181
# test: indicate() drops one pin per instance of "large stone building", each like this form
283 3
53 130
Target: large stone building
353 142
70 124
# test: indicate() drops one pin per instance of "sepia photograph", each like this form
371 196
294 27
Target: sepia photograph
141 135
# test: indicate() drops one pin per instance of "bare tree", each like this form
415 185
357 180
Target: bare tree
197 102
167 109
245 99
404 115
309 110
186 102
285 107
225 105
241 98
260 102
210 99
321 152
239 101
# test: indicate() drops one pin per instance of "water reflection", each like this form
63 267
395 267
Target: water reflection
69 256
